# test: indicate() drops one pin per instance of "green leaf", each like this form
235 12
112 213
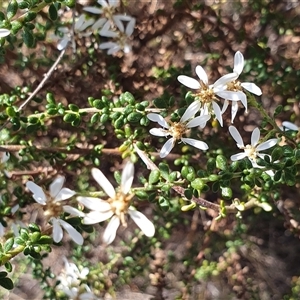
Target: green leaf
16 26
276 153
127 97
8 244
6 283
52 12
289 178
33 227
134 117
154 176
215 187
10 111
35 236
164 170
119 123
160 103
163 204
221 162
278 110
28 38
141 195
12 9
70 117
226 192
95 118
197 184
30 16
213 177
45 239
73 107
8 266
211 165
3 274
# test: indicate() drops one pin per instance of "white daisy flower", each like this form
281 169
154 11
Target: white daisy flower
81 24
121 36
107 11
251 151
207 96
178 129
53 209
236 86
116 206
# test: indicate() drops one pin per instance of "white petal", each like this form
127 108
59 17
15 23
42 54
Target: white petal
64 194
130 27
94 217
217 111
190 111
142 222
105 31
229 95
103 3
38 193
238 63
158 119
119 23
238 156
224 80
198 121
111 230
94 203
167 147
85 25
202 74
57 230
114 3
236 136
252 88
127 177
104 183
234 109
255 137
79 22
93 10
189 82
62 44
74 234
114 49
289 126
195 143
266 145
107 45
225 105
73 211
4 32
158 132
56 186
99 23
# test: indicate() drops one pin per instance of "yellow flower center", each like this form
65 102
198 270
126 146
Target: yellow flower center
206 94
119 206
177 130
52 208
234 86
251 152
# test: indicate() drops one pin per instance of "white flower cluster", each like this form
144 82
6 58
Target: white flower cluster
116 207
119 27
207 99
70 282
